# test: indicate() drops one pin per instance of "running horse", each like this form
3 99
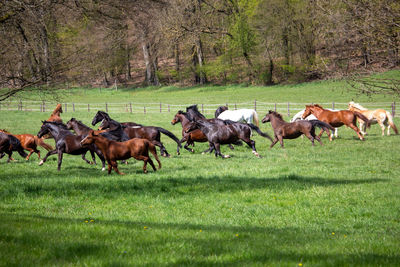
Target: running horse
112 150
380 116
30 142
239 115
8 144
336 118
292 130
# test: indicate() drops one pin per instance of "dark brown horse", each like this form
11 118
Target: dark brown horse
8 144
30 142
292 130
133 130
191 137
66 142
227 134
112 150
336 118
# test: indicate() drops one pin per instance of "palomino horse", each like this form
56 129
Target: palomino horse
66 142
336 118
239 115
292 130
380 116
227 134
8 144
137 148
30 142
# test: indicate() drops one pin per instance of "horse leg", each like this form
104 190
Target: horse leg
217 147
274 142
209 149
84 158
101 157
52 152
109 166
252 144
363 128
382 127
163 150
280 137
310 135
9 156
115 167
231 147
336 130
352 126
186 146
93 157
30 153
60 157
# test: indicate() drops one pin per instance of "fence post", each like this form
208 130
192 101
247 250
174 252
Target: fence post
202 108
169 110
235 107
288 109
144 109
275 107
160 107
44 106
255 104
88 108
65 107
20 105
333 105
73 107
106 107
130 106
393 109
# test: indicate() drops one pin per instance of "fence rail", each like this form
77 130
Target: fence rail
286 108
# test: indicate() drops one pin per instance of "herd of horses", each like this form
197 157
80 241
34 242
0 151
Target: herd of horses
114 141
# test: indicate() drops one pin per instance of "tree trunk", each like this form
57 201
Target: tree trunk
200 60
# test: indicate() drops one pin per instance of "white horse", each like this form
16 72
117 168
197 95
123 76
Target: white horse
299 115
240 115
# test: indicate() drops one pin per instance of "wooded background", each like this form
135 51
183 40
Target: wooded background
188 42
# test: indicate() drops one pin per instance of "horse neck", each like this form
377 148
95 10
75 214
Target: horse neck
80 128
58 132
102 143
184 121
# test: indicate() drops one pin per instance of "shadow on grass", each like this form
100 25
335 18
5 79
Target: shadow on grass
116 186
215 245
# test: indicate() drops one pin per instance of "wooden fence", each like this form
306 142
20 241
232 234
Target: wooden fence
286 108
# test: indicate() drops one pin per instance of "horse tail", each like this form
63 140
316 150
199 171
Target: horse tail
40 142
170 135
391 123
153 151
255 118
252 126
322 125
361 116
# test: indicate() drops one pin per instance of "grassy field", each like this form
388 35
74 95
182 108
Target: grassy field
331 205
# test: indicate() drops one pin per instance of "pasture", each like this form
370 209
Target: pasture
330 205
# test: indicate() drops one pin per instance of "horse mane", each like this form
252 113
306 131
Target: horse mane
356 105
194 109
276 114
318 106
4 131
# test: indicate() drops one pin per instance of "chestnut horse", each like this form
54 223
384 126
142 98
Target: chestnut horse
30 142
380 116
336 118
137 148
55 116
292 130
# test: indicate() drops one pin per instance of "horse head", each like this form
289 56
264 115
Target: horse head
89 139
100 115
307 112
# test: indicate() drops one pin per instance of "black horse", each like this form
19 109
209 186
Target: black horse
220 110
227 134
8 144
67 142
134 130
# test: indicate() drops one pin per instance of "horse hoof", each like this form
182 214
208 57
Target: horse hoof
192 150
41 163
103 169
226 156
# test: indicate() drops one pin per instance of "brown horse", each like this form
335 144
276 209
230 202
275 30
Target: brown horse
112 150
55 116
8 144
30 142
336 118
191 137
380 116
292 130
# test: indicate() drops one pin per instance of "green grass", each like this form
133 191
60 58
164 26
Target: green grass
330 205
